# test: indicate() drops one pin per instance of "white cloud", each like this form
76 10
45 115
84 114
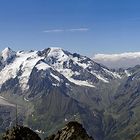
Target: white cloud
53 31
78 29
123 60
66 30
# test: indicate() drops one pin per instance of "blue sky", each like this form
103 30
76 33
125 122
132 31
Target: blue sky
83 26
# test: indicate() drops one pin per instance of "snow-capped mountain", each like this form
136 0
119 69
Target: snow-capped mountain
61 65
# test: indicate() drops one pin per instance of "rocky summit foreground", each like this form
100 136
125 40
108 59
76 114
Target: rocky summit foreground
20 133
72 131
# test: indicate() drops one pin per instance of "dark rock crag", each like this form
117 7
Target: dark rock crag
72 131
137 137
20 133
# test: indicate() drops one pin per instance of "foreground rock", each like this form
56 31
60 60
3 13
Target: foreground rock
137 137
72 131
20 133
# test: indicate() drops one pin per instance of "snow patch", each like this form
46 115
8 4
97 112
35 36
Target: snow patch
39 131
56 85
127 73
76 73
67 84
100 78
56 77
79 82
26 99
77 60
42 66
66 119
114 74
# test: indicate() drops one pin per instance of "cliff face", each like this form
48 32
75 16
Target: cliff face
72 131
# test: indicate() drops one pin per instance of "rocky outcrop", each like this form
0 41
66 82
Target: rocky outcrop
20 133
137 137
72 131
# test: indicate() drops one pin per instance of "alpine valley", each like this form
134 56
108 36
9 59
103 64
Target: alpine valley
52 87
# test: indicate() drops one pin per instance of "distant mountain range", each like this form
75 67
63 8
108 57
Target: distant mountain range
52 87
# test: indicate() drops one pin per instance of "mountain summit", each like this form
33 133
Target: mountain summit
7 54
